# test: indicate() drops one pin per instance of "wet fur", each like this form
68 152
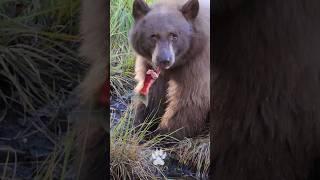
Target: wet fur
182 93
266 110
91 117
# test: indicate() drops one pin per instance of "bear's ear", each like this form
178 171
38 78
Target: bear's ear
190 9
139 9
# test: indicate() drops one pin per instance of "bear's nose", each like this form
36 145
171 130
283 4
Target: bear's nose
164 61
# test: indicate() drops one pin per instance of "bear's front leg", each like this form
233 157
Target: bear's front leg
156 96
156 103
187 111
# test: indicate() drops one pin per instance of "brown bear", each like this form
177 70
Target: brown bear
174 37
266 90
91 117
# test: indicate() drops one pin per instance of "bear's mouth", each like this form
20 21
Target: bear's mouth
163 66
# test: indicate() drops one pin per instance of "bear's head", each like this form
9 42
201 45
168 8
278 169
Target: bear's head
163 33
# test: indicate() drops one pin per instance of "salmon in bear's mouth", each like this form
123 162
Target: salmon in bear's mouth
150 77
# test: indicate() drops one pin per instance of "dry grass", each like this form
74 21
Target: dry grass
39 64
130 154
195 153
57 164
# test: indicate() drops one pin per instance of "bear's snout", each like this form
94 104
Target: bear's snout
164 61
164 58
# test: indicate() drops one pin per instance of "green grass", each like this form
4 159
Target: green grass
39 63
121 54
130 155
121 57
36 53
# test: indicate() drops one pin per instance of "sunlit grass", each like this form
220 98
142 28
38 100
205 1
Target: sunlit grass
130 153
121 56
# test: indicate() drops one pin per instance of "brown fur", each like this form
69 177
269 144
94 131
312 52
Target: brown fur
181 91
266 110
91 117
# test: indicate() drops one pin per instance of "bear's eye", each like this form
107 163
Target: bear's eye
154 37
173 37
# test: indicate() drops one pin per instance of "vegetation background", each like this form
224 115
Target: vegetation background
39 68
